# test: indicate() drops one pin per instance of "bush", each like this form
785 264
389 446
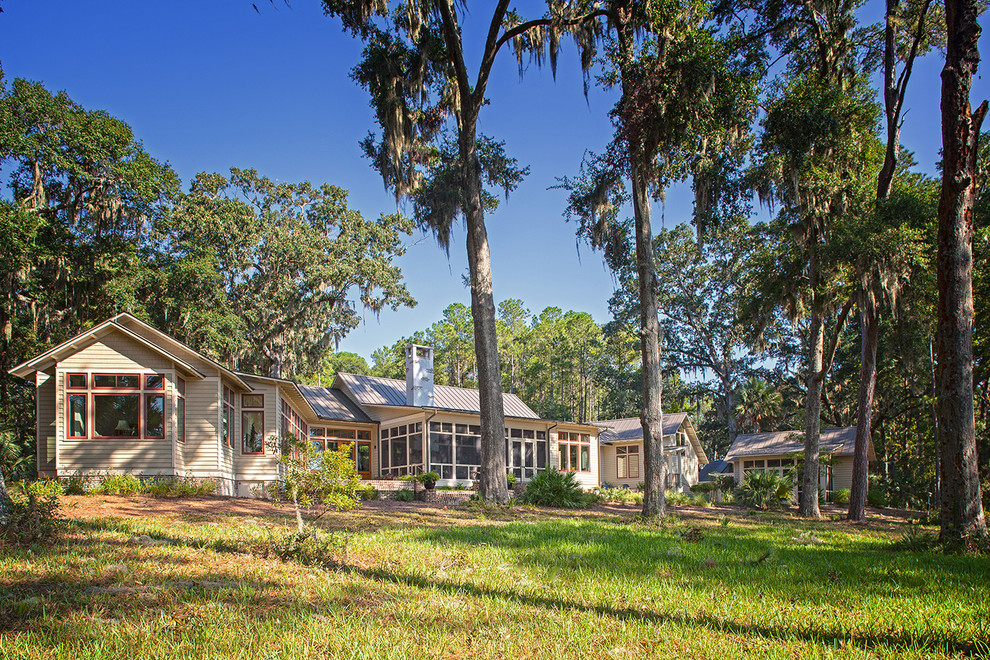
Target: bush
176 487
34 514
404 495
75 485
118 484
765 490
877 497
677 498
367 492
554 488
312 547
704 487
840 497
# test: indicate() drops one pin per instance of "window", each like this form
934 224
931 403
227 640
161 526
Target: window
77 416
627 462
113 406
154 415
252 424
180 410
293 426
401 449
227 422
117 415
575 451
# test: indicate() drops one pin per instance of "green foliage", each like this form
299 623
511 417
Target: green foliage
405 495
554 488
75 484
428 479
840 497
677 498
178 487
765 489
312 547
118 484
367 492
511 479
33 516
704 487
321 481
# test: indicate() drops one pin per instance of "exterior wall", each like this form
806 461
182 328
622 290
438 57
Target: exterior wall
842 472
115 353
201 448
257 467
688 465
588 480
46 427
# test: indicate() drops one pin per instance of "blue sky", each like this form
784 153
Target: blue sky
207 85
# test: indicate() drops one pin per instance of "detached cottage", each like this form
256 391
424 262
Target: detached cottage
622 457
124 397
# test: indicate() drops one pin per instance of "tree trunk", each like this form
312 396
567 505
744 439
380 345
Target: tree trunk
961 507
730 412
867 385
651 416
492 483
813 395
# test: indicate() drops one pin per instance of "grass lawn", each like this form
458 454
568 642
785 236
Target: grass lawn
422 582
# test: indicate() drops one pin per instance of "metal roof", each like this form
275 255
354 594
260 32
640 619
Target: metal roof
629 428
332 404
839 441
375 391
707 471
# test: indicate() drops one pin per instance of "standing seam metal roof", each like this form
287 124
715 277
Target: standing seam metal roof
332 404
840 441
375 391
630 428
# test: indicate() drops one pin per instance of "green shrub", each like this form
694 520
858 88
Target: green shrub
118 484
404 495
406 477
877 497
34 513
704 487
840 497
75 485
554 488
429 479
677 498
765 490
367 492
312 547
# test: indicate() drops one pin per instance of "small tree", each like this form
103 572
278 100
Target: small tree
321 480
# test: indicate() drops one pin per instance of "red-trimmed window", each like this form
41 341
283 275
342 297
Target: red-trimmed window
78 417
253 424
76 381
116 381
227 430
154 415
180 410
293 425
575 451
154 382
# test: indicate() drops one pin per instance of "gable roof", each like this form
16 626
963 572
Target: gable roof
117 324
629 429
375 391
706 472
839 441
332 404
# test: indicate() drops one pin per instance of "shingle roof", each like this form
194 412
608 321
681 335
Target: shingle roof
375 391
629 428
705 472
839 441
332 404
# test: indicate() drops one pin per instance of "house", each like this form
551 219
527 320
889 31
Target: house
621 448
782 451
123 397
708 471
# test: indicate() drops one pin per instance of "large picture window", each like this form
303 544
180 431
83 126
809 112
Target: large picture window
117 415
575 451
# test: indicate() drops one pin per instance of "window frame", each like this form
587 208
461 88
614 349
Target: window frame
180 404
68 416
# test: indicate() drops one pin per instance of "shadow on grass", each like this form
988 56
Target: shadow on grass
814 632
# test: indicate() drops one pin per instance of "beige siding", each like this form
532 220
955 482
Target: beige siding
258 467
46 429
202 426
115 352
609 472
588 480
842 472
139 457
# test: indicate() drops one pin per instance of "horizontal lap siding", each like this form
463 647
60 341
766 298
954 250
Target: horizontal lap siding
45 400
842 468
115 353
609 471
202 420
127 455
